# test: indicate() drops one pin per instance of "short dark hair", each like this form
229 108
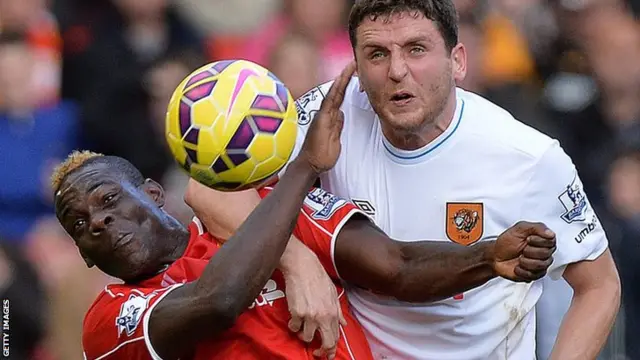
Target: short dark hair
122 166
442 12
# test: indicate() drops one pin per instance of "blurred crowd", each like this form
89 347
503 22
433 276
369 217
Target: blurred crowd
98 75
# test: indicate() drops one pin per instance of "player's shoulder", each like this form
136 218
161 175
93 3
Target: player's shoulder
116 319
496 128
309 103
323 208
319 204
103 315
111 295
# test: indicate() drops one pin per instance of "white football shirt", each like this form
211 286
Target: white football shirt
483 174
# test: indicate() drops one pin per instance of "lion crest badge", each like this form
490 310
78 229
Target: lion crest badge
465 222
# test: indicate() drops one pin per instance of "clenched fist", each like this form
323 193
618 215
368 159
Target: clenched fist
524 252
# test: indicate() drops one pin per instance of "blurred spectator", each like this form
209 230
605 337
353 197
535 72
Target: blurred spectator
162 79
34 136
227 17
594 98
499 64
321 21
507 57
19 284
32 18
110 80
624 186
78 22
624 191
295 61
471 35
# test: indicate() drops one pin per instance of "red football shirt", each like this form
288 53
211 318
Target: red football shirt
115 326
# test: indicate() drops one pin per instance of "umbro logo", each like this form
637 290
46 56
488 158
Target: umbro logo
365 206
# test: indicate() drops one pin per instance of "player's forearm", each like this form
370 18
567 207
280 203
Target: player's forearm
296 257
242 266
587 324
434 270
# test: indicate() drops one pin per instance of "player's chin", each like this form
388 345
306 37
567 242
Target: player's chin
408 122
129 270
132 263
115 267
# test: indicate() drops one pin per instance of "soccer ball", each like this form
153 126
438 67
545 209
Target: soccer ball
231 125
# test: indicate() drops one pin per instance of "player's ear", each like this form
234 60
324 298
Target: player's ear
459 60
155 191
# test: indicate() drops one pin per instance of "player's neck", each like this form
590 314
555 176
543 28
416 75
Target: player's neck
180 245
177 242
415 139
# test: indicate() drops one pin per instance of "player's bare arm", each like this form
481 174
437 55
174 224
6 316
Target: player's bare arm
234 277
596 300
311 294
432 270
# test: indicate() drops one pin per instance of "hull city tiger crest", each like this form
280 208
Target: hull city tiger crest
465 222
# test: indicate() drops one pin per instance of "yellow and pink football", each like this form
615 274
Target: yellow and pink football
231 125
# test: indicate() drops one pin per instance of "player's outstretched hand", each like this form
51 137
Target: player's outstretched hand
322 147
524 252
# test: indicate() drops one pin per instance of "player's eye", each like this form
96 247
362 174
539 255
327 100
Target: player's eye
376 55
108 198
417 50
78 224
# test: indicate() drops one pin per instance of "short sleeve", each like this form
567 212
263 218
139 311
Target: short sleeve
555 196
322 217
116 324
307 106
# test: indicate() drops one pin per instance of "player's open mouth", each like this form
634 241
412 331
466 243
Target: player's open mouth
401 98
123 240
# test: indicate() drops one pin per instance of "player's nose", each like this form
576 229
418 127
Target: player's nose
99 223
398 69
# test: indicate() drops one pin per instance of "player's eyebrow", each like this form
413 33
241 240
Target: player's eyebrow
94 186
372 45
417 39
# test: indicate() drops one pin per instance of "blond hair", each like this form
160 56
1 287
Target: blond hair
75 160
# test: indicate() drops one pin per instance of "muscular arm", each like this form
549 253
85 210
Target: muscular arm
596 301
432 270
413 271
235 276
